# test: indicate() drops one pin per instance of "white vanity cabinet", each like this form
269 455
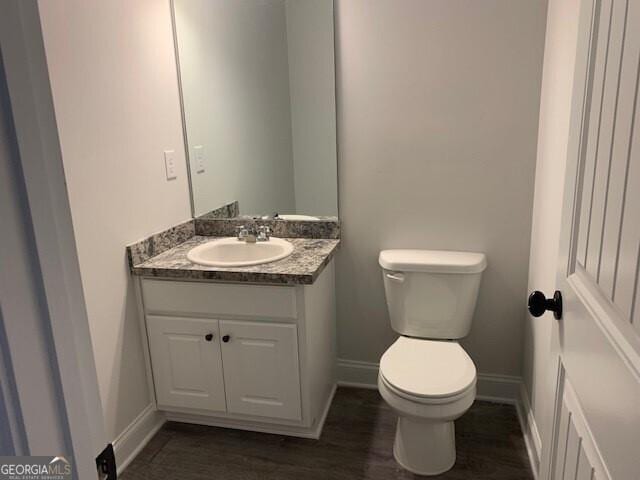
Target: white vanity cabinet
258 357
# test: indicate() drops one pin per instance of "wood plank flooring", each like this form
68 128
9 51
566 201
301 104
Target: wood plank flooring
356 444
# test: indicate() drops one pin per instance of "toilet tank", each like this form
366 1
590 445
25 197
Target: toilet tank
431 293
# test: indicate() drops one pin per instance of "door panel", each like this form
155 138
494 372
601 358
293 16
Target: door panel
608 187
604 380
187 369
604 118
596 425
576 456
261 369
595 99
626 287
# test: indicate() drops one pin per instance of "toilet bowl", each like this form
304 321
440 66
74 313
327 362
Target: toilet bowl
428 384
426 377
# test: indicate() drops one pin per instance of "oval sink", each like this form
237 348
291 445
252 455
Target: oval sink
230 252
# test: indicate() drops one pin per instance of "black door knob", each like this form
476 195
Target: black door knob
538 304
226 338
208 337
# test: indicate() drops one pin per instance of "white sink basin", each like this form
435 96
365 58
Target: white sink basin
230 252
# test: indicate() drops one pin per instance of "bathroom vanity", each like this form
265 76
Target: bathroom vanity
248 346
242 347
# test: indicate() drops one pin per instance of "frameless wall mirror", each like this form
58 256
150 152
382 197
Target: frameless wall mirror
258 94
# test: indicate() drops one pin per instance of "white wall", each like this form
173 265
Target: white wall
437 125
114 84
553 133
235 84
313 107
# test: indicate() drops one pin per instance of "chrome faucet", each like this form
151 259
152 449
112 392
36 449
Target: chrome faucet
264 233
253 234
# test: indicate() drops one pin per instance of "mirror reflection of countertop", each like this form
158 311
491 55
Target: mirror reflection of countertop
302 267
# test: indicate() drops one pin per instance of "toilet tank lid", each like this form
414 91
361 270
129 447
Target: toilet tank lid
432 261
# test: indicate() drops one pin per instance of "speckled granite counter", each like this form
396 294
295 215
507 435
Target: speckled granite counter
302 267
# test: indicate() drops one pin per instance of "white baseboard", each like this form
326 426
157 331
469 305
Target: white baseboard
353 373
325 413
493 388
530 431
498 388
137 434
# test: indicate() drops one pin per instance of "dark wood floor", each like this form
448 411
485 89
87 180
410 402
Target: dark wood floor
356 444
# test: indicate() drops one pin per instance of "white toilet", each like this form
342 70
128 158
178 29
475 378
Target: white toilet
426 376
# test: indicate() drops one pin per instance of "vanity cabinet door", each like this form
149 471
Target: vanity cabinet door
186 362
261 369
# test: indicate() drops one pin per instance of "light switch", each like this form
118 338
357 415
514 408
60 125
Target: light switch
198 152
170 164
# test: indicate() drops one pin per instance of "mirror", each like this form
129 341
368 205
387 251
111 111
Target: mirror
258 95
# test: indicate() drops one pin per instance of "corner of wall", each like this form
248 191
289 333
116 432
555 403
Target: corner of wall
138 433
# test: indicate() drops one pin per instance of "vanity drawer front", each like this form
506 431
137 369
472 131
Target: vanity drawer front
163 296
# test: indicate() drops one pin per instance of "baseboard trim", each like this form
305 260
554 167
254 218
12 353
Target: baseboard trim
325 413
530 431
366 386
491 387
137 434
354 373
497 388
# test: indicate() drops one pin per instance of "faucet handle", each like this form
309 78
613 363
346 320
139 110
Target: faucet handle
264 233
241 232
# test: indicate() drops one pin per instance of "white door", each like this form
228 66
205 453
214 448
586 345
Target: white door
186 363
595 431
261 368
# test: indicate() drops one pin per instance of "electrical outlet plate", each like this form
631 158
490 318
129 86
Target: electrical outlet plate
106 464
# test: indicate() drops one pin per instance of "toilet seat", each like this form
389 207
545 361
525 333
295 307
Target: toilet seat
427 401
427 370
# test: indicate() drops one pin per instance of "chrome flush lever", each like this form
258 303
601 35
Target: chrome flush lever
396 277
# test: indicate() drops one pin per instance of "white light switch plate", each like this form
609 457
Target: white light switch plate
198 152
170 164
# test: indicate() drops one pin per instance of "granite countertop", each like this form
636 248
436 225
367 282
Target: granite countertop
302 267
